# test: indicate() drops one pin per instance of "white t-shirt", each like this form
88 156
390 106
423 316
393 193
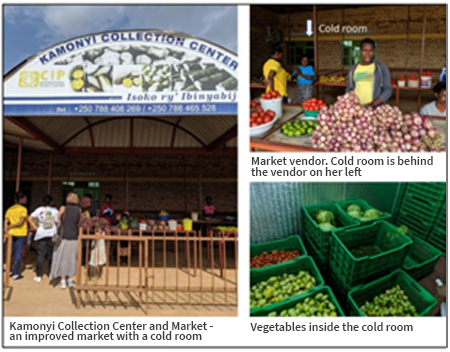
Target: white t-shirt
47 217
431 110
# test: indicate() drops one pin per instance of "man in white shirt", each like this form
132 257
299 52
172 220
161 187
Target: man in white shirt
438 107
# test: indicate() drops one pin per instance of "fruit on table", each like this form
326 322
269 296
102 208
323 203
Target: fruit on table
275 257
227 228
124 223
333 79
392 303
313 104
278 288
317 306
271 94
298 128
260 117
163 213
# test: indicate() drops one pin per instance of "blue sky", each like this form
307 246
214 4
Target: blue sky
30 29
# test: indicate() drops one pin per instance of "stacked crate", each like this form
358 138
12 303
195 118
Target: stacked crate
438 235
421 207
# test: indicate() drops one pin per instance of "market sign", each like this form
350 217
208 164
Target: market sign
125 73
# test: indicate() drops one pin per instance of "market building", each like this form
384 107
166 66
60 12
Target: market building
149 117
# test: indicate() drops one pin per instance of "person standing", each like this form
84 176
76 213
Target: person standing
107 210
209 209
64 264
305 80
370 79
275 76
47 217
15 224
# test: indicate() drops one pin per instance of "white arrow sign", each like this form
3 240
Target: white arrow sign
309 31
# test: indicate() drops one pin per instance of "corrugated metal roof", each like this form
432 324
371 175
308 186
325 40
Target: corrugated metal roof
114 132
10 127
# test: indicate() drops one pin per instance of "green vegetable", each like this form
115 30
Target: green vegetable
278 288
353 207
326 226
403 229
364 251
392 303
370 214
317 306
355 214
323 216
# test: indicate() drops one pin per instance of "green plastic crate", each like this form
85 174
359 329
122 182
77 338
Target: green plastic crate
290 243
420 298
432 193
421 259
319 237
419 209
339 291
438 238
392 244
420 227
311 293
321 260
364 206
291 267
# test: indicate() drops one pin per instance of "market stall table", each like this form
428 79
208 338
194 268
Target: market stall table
276 141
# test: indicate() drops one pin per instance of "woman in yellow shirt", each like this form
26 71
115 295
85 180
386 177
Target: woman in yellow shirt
16 225
275 76
370 79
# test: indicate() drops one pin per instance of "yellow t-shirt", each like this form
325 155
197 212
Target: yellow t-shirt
363 78
281 77
14 214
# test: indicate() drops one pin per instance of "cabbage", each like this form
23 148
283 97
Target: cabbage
355 214
372 214
353 207
324 216
403 229
326 226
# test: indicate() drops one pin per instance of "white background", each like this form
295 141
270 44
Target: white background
237 331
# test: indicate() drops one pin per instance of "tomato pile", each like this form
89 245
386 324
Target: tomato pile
259 117
265 259
271 94
254 104
426 73
313 104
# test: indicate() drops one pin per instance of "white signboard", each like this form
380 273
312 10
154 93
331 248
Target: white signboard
126 72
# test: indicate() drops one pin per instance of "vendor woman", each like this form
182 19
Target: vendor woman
370 79
275 76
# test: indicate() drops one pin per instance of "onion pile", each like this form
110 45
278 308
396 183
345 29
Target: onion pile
347 126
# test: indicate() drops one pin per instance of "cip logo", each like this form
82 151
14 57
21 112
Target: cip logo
29 79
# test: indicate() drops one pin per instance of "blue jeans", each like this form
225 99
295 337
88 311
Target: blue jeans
17 247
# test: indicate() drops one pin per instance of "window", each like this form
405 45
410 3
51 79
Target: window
300 48
350 53
81 188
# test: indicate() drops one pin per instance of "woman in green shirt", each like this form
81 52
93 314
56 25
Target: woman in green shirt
370 79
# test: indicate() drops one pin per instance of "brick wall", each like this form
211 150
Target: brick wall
152 196
387 21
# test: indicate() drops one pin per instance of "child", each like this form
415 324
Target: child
209 209
98 251
305 80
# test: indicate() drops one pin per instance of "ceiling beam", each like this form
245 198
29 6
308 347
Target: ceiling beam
227 136
147 151
91 133
27 126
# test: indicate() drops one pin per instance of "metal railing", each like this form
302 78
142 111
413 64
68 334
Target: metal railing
166 267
